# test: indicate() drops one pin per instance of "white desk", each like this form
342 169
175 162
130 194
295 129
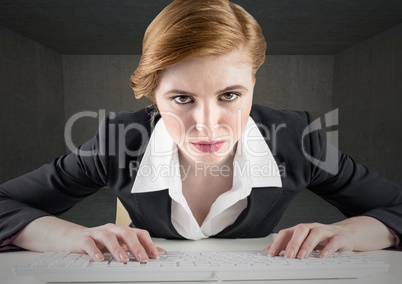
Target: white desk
394 258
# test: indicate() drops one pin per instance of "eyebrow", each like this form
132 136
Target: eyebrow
185 93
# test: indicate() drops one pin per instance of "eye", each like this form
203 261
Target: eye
182 99
228 97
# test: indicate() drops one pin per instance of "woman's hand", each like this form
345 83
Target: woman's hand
357 234
51 234
118 240
299 241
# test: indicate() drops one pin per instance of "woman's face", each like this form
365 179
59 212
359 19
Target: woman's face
205 104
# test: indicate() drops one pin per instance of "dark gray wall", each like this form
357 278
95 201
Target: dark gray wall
31 105
368 92
298 82
97 83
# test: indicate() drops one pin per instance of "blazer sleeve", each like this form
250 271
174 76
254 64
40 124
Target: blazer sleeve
350 186
55 187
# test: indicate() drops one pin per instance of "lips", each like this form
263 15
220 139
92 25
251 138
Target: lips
208 147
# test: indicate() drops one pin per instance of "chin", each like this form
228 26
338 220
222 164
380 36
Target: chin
211 158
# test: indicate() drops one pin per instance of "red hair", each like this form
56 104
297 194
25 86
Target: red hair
193 28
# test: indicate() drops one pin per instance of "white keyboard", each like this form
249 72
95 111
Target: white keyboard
198 266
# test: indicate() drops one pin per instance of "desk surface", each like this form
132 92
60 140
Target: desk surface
394 275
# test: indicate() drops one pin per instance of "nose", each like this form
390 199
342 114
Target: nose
206 117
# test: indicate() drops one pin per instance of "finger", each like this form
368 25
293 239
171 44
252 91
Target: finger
280 242
334 244
110 241
316 236
130 238
146 241
299 235
90 247
123 246
161 250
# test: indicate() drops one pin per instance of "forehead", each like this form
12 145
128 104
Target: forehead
236 58
231 66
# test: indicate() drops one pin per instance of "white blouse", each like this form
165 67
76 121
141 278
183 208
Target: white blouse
253 166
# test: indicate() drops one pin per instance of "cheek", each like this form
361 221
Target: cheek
175 127
238 119
233 123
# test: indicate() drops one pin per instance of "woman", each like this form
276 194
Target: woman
200 163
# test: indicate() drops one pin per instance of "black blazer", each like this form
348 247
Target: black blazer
112 156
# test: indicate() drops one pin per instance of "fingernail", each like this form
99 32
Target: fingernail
324 254
142 259
161 251
302 254
290 253
123 257
98 257
271 251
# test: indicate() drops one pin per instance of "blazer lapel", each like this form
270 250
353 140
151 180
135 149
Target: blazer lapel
262 208
154 214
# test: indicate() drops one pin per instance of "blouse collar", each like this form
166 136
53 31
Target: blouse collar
253 164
